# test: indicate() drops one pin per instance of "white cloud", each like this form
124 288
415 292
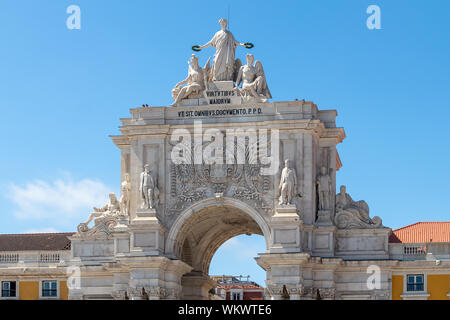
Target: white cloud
243 249
231 244
43 230
61 199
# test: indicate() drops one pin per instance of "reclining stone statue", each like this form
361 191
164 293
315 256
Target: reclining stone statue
104 218
353 215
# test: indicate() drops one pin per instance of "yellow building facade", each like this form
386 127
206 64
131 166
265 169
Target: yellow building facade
38 267
34 266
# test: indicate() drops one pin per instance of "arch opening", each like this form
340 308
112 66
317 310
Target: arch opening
206 230
199 232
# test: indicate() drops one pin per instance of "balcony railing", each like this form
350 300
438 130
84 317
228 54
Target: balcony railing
9 257
419 251
414 250
50 257
34 257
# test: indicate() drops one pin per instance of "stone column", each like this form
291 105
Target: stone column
196 286
160 277
284 274
134 293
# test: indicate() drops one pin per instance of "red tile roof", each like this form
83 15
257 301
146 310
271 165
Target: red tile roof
35 241
421 232
239 286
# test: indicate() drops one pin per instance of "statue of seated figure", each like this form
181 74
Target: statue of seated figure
110 210
196 82
353 215
254 85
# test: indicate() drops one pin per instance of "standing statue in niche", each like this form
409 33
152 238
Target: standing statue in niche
325 187
353 214
224 67
253 78
288 184
196 82
148 189
125 195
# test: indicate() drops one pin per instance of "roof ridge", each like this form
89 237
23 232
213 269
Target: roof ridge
37 234
406 226
420 222
422 232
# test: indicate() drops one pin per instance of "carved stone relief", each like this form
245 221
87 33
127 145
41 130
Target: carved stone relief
190 183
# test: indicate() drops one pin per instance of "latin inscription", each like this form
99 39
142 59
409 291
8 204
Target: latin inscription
219 112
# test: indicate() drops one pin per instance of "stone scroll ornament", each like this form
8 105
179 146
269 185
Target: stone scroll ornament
353 215
105 219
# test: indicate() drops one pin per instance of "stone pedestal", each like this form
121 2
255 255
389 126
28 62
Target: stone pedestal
283 270
147 233
218 92
141 214
324 241
160 277
286 228
122 224
324 218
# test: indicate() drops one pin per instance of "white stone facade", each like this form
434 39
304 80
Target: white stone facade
166 251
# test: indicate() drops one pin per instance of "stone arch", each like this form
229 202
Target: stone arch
202 228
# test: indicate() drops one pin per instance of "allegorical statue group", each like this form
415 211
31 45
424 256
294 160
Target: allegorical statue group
117 209
348 213
249 80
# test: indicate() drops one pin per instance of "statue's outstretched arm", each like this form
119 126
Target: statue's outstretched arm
182 82
206 45
237 43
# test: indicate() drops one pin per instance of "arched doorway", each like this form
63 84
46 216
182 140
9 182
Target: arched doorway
201 229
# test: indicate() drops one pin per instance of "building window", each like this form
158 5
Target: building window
415 282
8 289
236 296
49 288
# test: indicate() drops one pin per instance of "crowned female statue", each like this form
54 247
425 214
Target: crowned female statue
224 59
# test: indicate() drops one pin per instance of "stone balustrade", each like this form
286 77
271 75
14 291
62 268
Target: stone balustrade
34 257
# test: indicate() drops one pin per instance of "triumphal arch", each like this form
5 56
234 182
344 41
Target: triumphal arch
224 160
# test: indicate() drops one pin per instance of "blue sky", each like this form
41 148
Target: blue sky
63 91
